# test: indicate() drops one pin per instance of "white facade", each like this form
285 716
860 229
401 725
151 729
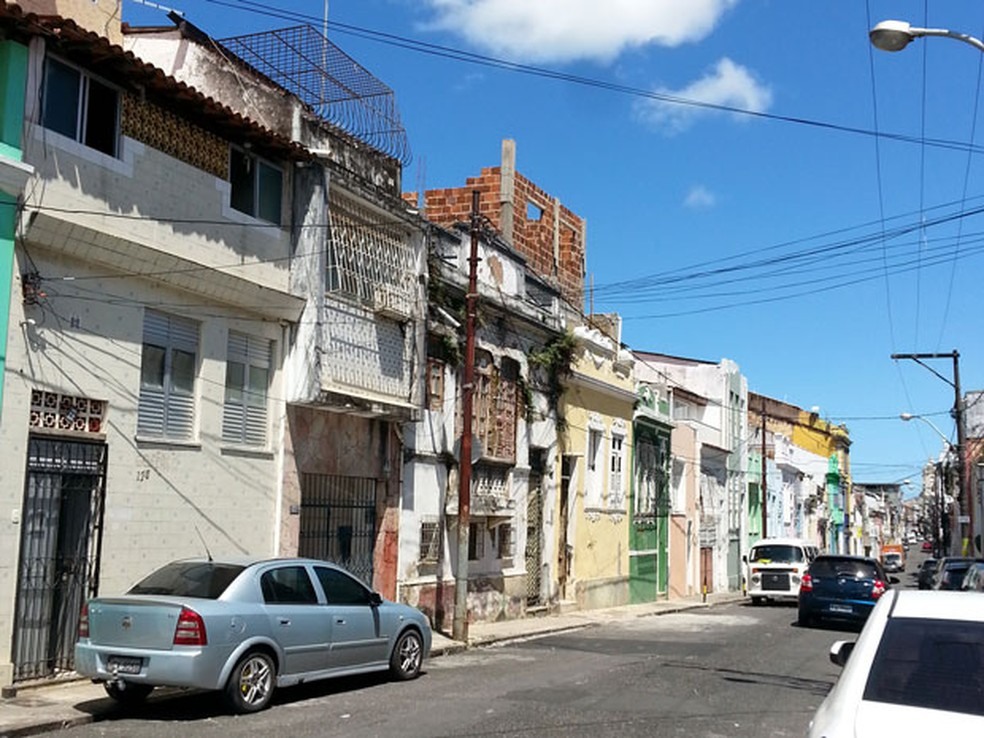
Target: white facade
712 399
113 244
512 327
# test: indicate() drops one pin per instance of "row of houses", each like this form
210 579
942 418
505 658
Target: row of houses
229 328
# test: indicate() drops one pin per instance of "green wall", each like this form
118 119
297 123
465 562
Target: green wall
13 73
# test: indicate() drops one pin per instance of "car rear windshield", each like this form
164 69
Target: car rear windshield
936 664
188 579
777 553
843 567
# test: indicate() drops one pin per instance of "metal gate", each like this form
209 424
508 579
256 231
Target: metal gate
534 541
338 521
61 535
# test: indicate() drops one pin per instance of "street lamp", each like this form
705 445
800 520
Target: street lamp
909 416
895 35
938 523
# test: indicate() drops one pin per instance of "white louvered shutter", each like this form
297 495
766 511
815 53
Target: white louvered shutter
169 368
244 417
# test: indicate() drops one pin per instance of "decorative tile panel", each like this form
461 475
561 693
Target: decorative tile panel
54 411
165 131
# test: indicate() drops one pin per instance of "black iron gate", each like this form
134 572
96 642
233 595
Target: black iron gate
61 531
338 521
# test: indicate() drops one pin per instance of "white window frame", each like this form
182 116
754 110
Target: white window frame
255 163
430 538
86 79
245 416
165 410
616 469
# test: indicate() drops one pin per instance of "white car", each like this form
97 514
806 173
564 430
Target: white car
917 669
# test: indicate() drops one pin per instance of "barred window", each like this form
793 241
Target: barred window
505 541
429 542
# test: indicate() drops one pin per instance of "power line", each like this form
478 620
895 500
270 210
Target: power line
455 54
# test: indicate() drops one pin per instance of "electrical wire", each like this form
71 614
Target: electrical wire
498 63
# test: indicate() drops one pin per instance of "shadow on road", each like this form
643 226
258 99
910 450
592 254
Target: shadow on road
187 705
819 687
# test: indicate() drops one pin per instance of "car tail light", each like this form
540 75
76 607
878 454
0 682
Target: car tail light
807 584
190 630
84 621
877 589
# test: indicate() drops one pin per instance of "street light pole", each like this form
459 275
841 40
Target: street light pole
895 35
964 493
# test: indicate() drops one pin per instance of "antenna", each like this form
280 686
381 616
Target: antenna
204 545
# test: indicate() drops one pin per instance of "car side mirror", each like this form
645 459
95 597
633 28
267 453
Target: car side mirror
744 559
840 652
375 599
893 580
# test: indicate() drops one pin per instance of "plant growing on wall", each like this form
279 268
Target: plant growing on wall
555 361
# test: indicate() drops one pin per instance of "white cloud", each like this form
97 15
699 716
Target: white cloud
727 84
567 30
700 198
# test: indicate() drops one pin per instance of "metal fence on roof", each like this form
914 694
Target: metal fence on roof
336 87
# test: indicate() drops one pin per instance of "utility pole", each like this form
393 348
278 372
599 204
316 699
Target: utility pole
765 496
459 626
963 488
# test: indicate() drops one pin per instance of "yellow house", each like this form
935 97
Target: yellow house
593 501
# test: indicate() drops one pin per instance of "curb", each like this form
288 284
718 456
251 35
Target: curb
455 647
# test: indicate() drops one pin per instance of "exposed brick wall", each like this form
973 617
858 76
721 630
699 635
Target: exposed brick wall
533 238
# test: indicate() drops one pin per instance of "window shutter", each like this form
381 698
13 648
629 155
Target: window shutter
244 419
162 412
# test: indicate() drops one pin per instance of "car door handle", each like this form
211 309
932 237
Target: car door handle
340 621
284 621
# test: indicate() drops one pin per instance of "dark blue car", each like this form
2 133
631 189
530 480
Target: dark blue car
841 588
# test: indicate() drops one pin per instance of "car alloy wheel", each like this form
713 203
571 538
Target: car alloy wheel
408 654
250 685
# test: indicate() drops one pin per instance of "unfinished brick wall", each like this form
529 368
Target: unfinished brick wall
536 218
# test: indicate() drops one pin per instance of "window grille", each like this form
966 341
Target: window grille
505 541
429 541
369 258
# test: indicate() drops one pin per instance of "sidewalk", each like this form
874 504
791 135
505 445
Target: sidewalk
65 703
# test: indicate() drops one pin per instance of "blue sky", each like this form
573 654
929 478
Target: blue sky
828 247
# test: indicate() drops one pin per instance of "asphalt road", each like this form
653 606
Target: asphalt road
732 670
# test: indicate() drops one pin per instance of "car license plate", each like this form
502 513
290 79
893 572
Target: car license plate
841 608
124 664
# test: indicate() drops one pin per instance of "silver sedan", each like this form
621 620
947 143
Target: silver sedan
246 627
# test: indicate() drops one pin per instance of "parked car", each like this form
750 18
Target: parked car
841 588
926 572
917 669
775 567
949 572
245 627
973 580
927 546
